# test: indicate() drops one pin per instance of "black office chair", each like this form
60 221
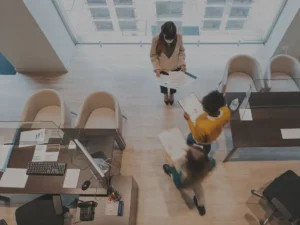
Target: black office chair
45 210
2 222
283 195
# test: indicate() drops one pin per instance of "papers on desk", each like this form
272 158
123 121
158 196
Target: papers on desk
113 208
290 133
71 178
40 154
245 114
192 106
33 137
51 156
72 145
14 178
5 152
176 79
174 143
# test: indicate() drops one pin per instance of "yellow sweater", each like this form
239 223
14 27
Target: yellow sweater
207 129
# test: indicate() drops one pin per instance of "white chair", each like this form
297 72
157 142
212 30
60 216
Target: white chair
241 73
47 105
283 74
101 110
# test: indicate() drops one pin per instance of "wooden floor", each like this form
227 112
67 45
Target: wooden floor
130 79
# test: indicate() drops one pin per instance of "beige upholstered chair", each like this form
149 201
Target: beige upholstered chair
283 74
47 105
100 110
241 72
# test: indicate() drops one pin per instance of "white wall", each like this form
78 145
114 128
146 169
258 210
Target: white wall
23 43
285 20
52 26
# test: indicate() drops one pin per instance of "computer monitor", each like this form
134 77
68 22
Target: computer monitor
89 157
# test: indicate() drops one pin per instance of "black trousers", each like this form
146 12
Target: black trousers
163 89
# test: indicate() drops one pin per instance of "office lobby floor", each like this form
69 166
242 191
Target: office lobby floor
125 71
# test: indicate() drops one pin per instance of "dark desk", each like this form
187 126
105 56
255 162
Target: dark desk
271 112
75 159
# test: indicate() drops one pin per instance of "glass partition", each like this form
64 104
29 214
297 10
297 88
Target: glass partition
200 21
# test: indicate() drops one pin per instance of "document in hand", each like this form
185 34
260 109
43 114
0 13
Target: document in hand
192 106
174 143
176 79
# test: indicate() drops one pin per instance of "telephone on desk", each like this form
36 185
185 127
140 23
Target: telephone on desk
87 210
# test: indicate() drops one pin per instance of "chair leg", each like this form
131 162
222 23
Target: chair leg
257 194
268 219
5 199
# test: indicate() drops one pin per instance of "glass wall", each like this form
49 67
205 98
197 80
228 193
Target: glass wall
204 21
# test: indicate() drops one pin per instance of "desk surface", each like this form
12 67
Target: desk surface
271 112
128 188
100 140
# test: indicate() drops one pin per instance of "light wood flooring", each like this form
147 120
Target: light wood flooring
126 72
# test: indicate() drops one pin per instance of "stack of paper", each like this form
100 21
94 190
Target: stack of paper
33 137
192 106
5 152
114 208
40 154
174 143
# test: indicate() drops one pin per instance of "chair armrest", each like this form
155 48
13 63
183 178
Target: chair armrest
281 208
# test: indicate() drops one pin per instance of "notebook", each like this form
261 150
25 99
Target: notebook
192 106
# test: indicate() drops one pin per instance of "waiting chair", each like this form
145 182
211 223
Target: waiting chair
101 110
47 105
241 73
41 211
283 195
283 74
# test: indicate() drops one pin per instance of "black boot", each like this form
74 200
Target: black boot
201 209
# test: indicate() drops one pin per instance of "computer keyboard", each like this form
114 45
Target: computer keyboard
46 168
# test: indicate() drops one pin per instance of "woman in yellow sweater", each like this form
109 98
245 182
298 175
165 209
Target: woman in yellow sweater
209 125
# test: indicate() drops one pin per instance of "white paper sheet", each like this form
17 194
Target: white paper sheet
51 156
5 151
245 114
111 208
14 178
192 106
175 80
33 137
174 143
290 133
71 178
39 153
72 145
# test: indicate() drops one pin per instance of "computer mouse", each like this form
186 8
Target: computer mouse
85 185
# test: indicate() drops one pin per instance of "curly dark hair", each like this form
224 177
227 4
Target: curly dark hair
213 102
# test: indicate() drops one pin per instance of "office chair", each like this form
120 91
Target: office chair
283 196
45 210
2 222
